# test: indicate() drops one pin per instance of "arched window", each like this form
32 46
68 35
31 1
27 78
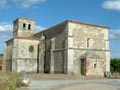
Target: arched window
24 25
88 42
29 26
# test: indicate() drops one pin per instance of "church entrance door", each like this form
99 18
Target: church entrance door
83 67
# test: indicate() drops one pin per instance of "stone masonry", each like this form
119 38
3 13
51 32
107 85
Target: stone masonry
71 47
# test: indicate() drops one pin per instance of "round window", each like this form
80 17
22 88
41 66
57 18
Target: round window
31 48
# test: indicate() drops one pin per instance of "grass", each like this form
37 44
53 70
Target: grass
10 81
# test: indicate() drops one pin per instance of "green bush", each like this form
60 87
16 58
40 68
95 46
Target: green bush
19 83
10 81
12 86
115 65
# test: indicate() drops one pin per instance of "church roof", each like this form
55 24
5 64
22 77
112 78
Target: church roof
24 18
72 21
51 28
28 38
85 23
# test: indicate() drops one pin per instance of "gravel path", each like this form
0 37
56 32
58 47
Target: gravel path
88 86
104 84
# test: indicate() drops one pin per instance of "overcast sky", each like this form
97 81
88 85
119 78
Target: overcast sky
50 12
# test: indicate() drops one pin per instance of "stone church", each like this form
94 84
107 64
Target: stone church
71 47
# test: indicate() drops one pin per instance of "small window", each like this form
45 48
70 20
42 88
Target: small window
24 25
95 65
88 42
29 26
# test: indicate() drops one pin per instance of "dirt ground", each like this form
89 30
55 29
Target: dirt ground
70 82
60 77
86 86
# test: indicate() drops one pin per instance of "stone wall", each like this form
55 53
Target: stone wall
96 36
47 62
79 54
59 61
55 47
27 65
24 48
88 39
60 41
9 53
58 33
23 57
9 50
1 62
23 31
1 58
95 67
15 55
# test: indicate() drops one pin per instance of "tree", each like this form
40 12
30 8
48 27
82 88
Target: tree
115 65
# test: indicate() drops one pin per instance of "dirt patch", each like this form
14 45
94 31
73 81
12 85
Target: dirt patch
85 86
61 77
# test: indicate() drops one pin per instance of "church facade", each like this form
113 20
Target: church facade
71 47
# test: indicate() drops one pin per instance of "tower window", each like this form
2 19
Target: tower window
88 42
24 25
29 26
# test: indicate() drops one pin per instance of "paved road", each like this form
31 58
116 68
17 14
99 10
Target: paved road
47 84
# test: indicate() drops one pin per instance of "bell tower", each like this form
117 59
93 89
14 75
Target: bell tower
23 27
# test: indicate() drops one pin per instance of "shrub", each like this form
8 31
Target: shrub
10 81
12 86
115 65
